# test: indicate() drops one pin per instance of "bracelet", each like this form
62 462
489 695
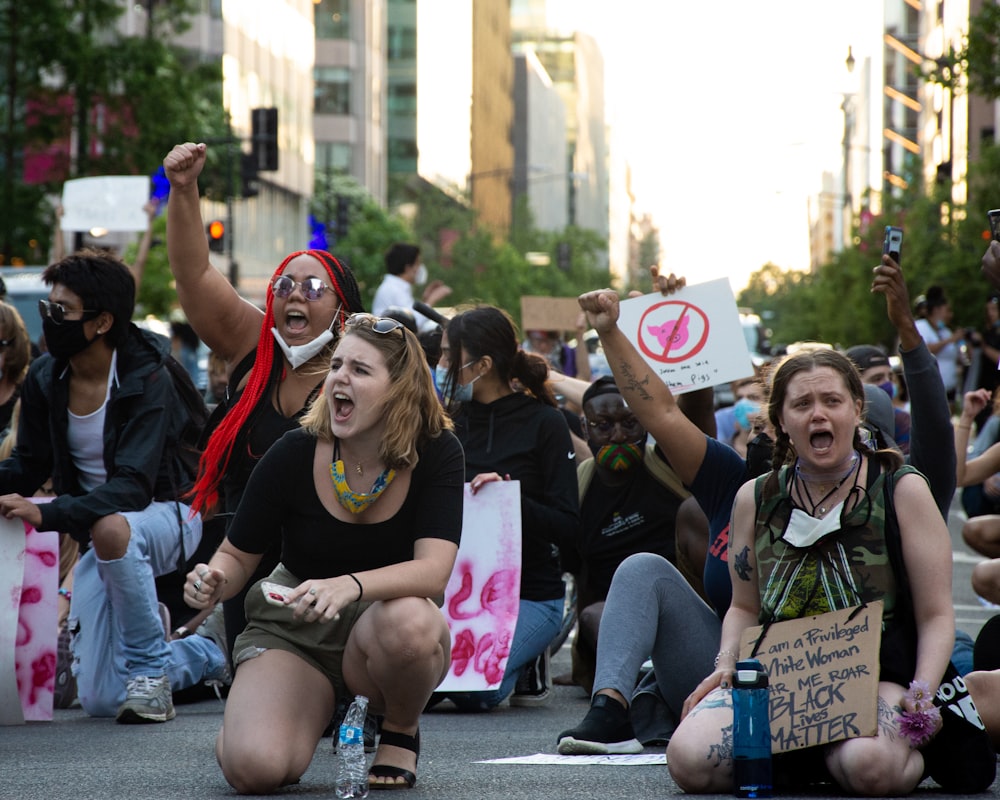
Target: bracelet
65 593
361 589
722 653
964 427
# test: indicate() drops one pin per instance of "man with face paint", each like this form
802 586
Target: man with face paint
630 500
403 271
100 415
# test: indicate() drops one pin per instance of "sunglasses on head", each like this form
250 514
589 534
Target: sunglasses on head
312 288
378 324
57 312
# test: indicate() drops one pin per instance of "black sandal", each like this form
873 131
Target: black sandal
395 739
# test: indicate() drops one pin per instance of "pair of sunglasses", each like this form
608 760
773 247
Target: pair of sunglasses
57 312
312 288
378 324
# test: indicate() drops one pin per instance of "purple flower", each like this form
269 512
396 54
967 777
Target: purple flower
919 726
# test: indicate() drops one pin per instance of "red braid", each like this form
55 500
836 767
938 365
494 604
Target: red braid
215 459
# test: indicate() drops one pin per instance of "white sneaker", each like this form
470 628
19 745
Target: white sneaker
147 699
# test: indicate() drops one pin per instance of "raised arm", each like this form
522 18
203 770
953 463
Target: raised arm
931 431
642 389
969 472
226 322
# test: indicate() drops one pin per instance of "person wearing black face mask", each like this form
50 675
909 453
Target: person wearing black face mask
100 415
630 502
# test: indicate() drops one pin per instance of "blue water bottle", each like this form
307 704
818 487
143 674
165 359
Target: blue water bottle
751 731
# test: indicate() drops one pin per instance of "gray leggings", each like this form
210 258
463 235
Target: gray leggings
652 610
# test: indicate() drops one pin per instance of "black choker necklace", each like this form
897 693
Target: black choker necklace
819 507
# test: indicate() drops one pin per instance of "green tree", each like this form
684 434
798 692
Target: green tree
67 68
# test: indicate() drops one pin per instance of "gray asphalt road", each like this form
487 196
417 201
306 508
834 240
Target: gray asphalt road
77 757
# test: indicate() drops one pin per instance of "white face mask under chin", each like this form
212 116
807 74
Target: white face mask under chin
299 354
804 531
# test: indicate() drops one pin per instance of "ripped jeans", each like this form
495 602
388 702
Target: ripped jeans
114 617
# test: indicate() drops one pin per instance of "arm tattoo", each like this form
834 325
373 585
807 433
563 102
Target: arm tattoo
742 564
887 715
634 383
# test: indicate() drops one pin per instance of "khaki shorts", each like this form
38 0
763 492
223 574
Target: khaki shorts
319 644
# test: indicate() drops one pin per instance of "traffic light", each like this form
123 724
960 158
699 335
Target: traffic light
248 175
264 138
343 216
216 230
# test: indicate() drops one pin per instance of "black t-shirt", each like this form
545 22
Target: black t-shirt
280 504
617 521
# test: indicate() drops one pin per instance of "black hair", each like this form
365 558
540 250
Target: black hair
103 282
489 331
400 256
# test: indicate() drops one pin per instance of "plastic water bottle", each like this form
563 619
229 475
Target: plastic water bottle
751 731
352 769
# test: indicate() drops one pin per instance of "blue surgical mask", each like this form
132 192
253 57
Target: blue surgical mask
462 393
889 387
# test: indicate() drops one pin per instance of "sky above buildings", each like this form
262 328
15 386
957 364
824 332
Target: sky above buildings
728 113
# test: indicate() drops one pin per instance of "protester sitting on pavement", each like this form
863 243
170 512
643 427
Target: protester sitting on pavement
276 359
522 436
873 364
366 501
641 622
981 533
630 500
815 407
101 416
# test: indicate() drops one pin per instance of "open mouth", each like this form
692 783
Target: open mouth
343 407
296 322
821 441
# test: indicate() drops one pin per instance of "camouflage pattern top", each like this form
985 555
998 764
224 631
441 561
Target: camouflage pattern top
843 569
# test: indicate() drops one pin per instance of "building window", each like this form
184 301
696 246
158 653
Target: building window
333 157
332 19
332 91
402 43
402 99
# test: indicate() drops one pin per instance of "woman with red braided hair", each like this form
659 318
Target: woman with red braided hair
276 359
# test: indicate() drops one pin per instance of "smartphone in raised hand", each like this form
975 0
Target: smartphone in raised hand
994 218
892 245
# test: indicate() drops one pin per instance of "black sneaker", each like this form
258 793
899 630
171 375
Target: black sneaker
605 730
534 686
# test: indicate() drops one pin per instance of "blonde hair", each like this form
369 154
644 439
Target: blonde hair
17 357
413 413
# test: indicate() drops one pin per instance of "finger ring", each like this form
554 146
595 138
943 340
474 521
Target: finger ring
197 586
312 590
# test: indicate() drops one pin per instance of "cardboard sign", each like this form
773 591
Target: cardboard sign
823 673
29 582
484 592
112 202
549 314
692 338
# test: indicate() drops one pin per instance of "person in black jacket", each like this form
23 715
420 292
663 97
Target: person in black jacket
515 434
101 416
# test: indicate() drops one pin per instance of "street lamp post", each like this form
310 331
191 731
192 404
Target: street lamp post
845 214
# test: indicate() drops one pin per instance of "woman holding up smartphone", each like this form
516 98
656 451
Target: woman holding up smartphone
366 502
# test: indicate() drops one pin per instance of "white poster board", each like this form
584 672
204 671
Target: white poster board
112 202
692 339
482 597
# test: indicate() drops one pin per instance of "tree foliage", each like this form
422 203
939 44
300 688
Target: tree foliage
126 99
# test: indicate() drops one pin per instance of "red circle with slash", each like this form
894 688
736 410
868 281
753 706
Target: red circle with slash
681 336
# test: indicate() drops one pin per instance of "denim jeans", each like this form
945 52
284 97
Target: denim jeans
114 617
538 622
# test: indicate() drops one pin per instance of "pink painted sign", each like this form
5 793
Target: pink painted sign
29 582
482 597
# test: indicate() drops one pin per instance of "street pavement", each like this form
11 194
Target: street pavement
77 757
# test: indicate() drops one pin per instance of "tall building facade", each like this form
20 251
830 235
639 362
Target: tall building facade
351 86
